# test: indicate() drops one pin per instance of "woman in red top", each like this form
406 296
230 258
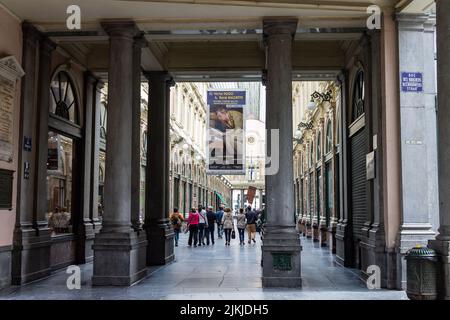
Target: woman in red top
192 224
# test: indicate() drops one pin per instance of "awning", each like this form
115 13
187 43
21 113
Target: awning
222 200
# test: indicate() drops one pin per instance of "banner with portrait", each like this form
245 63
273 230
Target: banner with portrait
226 131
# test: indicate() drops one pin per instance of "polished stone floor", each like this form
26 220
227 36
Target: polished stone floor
216 272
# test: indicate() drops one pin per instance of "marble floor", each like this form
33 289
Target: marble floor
213 273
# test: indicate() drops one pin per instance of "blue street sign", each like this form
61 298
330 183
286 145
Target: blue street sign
412 82
226 98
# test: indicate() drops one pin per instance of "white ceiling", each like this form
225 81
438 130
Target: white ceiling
50 15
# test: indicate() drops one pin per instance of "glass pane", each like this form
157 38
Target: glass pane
62 102
59 183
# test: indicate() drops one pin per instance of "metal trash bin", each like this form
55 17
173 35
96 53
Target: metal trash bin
421 273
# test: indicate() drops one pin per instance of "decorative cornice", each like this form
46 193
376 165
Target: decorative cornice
278 26
120 28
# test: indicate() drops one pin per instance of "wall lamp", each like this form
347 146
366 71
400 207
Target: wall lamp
324 97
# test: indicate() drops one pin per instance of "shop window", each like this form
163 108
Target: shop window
329 138
103 116
319 146
59 183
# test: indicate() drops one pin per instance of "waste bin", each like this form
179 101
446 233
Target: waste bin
421 273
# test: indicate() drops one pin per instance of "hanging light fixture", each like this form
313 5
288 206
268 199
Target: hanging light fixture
311 104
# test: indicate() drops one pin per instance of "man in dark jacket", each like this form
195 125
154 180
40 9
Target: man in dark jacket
251 217
211 217
219 215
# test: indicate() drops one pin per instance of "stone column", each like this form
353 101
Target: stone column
95 162
159 233
343 230
39 258
418 135
44 79
442 242
136 135
119 252
281 246
323 227
24 234
85 228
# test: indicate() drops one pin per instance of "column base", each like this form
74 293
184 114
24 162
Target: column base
323 236
316 233
5 266
160 248
85 242
303 227
281 254
119 258
344 245
30 255
332 238
308 229
442 248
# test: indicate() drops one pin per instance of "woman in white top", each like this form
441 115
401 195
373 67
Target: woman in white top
228 225
241 222
202 225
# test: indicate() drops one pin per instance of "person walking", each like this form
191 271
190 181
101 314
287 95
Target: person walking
193 220
176 219
241 222
228 225
211 218
202 225
219 216
251 217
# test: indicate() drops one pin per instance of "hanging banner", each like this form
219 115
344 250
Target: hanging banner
225 134
251 192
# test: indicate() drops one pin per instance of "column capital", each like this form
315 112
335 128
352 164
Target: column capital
159 76
30 33
99 84
139 40
47 46
414 21
90 77
120 28
278 26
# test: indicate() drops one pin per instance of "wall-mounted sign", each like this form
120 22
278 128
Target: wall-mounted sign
412 82
27 143
10 71
26 170
225 133
370 165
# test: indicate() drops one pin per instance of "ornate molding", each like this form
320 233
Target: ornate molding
10 68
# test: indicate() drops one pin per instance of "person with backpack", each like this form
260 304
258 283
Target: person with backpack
193 221
202 225
176 219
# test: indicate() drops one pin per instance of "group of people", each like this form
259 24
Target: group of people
201 224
